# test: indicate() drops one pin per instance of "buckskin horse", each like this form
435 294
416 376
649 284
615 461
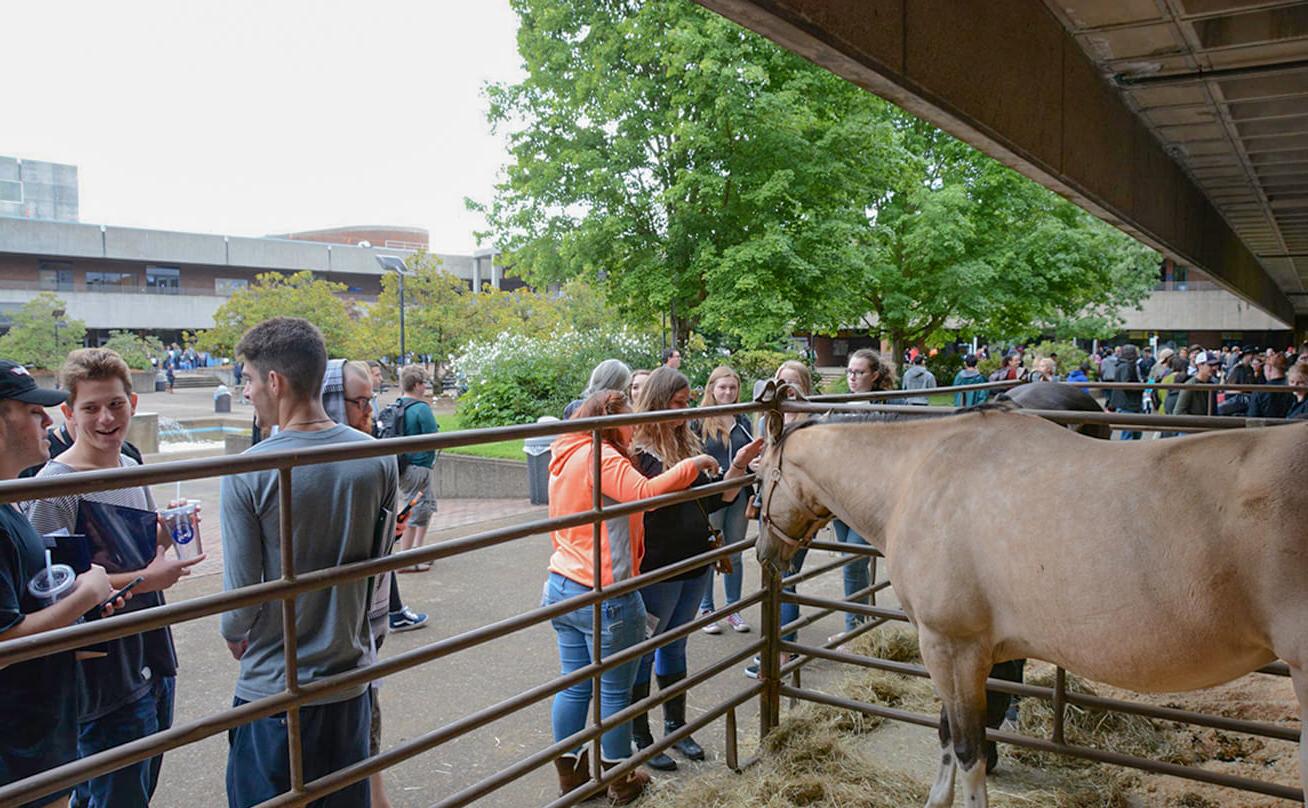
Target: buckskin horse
1140 597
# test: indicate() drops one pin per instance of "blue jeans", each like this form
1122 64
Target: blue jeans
790 611
733 524
623 626
1129 435
857 573
673 603
130 786
332 736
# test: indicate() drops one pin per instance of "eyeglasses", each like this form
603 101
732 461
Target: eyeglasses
853 372
361 402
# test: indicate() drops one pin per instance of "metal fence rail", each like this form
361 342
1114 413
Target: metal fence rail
769 687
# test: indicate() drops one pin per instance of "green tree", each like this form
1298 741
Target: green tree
688 167
40 339
135 349
695 169
276 295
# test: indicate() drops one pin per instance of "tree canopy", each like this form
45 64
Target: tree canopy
34 339
693 168
276 295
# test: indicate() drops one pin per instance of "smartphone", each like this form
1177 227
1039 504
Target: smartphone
116 595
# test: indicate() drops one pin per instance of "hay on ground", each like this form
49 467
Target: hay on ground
894 641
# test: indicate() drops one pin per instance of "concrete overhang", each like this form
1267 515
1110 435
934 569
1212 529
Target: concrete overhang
1181 122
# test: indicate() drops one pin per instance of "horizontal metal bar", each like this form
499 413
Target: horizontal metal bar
846 547
135 751
365 768
77 636
1259 728
1115 758
84 482
845 606
1170 423
1126 80
878 395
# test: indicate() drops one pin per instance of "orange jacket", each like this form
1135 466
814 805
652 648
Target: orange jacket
622 538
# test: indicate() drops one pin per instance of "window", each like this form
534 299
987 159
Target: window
162 280
120 281
55 276
229 286
11 191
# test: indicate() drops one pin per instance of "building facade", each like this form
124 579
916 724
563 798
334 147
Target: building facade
34 189
164 282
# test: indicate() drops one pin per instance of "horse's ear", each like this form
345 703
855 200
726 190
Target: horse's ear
772 421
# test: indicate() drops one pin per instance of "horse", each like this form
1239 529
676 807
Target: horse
1140 597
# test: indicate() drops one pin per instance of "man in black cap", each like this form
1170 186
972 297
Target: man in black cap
38 698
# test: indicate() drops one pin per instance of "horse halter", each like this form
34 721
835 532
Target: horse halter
776 479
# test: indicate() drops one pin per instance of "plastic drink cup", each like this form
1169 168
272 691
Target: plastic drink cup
52 584
180 522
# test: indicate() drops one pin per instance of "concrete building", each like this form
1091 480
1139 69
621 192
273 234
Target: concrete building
32 189
165 282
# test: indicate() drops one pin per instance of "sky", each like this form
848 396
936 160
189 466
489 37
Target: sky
252 118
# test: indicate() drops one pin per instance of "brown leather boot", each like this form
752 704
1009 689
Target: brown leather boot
628 787
574 771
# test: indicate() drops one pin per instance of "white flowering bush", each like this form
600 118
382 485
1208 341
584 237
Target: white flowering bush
515 379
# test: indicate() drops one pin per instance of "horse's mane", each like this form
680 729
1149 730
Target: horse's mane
1000 403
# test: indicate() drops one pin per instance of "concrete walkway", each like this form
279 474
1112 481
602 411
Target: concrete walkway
460 594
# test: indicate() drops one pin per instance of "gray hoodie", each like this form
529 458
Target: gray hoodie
918 378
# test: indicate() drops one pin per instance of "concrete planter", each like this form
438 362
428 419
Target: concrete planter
465 477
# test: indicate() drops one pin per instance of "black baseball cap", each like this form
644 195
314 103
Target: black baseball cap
18 384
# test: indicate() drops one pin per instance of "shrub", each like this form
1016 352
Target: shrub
515 379
1069 355
945 366
135 349
753 365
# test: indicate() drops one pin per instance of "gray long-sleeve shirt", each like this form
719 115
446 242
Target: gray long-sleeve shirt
342 512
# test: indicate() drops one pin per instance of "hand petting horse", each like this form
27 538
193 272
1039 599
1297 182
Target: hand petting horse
1136 596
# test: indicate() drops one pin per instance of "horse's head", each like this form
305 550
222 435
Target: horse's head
791 516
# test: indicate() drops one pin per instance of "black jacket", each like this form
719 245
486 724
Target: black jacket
676 532
1270 405
1126 399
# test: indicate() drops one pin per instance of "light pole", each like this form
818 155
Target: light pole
396 264
55 315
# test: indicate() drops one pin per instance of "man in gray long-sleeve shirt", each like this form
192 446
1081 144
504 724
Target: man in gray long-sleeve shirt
343 512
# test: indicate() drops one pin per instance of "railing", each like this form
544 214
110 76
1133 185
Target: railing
769 688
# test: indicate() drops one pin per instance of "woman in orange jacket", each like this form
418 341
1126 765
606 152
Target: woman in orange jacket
572 573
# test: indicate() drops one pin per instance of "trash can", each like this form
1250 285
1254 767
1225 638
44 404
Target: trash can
160 382
538 465
222 399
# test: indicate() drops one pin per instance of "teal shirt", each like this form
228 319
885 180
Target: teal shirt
419 420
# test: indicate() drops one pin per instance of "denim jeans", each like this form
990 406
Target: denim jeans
733 524
130 786
623 626
673 603
1129 435
333 736
790 611
857 573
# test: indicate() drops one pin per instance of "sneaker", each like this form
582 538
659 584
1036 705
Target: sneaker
407 619
737 623
711 628
752 669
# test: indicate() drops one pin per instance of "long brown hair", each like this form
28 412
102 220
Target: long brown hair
885 374
719 426
669 441
607 402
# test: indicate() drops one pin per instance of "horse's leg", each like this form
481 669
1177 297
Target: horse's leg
958 671
942 791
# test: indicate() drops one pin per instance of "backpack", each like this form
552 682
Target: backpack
390 424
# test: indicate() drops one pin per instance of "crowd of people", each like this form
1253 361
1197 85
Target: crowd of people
74 704
69 705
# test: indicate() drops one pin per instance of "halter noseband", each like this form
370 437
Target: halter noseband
770 392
